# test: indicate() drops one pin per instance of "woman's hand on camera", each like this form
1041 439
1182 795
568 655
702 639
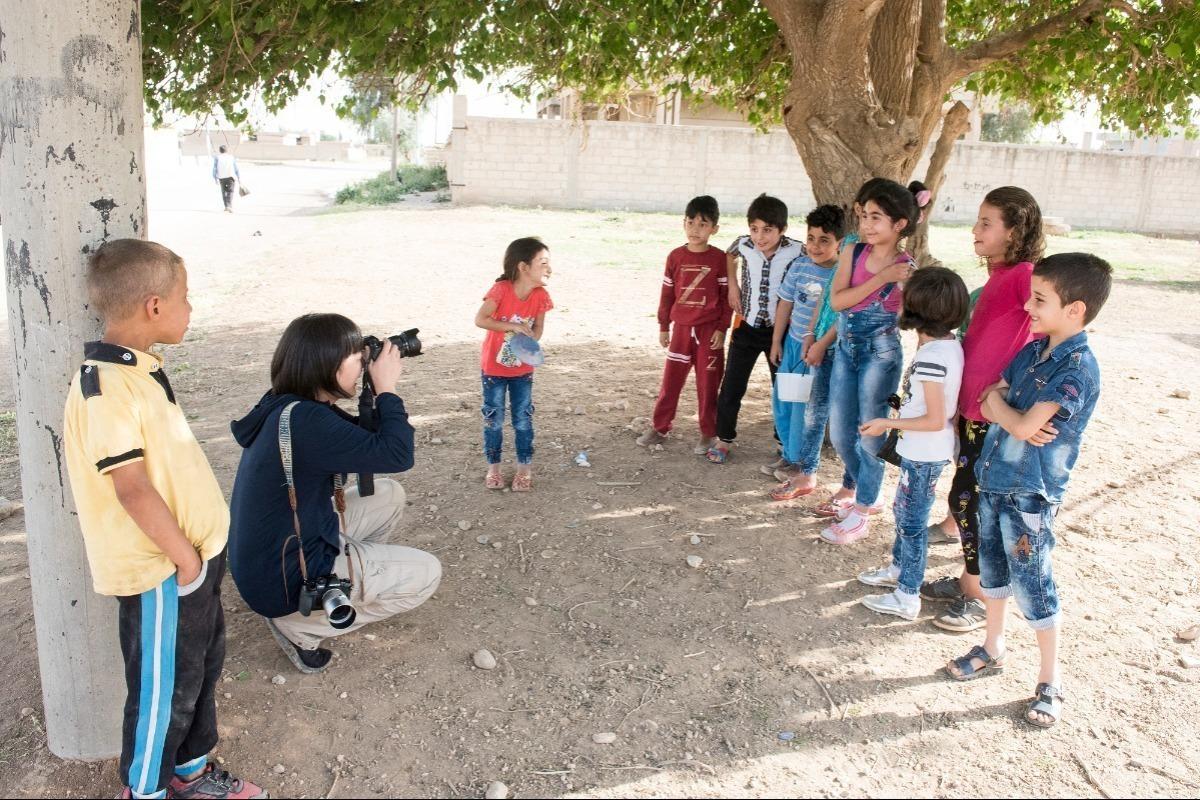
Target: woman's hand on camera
385 370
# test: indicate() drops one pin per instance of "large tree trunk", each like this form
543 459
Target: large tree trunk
873 116
71 154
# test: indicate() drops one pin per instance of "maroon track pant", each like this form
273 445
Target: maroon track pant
689 349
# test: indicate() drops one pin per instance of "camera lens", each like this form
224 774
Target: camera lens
407 343
338 609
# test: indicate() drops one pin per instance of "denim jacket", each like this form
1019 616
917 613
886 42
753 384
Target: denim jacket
1070 377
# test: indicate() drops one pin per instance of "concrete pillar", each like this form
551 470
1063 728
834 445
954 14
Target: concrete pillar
71 157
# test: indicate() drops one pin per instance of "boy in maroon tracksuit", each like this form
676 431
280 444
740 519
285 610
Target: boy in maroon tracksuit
695 297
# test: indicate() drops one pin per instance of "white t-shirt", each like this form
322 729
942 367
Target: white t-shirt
939 361
225 166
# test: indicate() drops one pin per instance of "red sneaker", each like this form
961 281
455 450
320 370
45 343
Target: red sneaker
217 783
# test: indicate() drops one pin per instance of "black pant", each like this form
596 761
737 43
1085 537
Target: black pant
964 490
746 344
227 185
174 648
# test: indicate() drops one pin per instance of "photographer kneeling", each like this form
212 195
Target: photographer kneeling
318 361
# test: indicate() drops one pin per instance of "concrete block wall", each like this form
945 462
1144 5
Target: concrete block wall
647 167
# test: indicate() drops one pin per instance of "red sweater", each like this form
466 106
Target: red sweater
695 289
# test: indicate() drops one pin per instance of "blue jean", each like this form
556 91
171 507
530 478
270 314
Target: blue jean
914 498
789 416
1016 538
802 430
520 394
866 369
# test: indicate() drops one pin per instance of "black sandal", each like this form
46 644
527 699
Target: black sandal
968 671
1048 700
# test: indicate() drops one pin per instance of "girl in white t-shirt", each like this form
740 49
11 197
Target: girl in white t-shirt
935 305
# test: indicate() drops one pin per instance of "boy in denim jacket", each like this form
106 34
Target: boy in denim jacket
1041 405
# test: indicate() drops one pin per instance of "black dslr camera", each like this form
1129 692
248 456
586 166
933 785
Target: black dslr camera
333 595
407 343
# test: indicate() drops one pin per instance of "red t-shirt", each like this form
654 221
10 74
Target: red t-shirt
695 289
999 328
497 358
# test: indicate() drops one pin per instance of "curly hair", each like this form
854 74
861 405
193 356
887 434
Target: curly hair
1023 218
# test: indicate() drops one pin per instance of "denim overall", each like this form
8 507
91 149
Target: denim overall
866 370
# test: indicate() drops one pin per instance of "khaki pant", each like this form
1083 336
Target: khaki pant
388 578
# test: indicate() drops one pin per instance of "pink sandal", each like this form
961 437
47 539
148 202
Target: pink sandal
494 480
522 482
788 491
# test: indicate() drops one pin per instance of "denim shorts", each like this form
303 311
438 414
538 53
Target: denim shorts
1015 540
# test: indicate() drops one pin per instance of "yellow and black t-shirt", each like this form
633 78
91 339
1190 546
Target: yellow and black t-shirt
121 409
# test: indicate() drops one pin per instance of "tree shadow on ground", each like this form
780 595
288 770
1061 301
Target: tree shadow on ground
582 591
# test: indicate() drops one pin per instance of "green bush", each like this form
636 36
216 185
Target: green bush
381 189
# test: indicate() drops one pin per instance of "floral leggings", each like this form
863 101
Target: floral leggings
964 491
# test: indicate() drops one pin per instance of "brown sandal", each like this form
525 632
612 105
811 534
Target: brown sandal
522 482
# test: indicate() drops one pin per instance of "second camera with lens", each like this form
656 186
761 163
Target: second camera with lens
332 594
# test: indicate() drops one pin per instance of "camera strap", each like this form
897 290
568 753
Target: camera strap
339 498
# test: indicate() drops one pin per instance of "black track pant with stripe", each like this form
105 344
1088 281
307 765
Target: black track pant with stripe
173 642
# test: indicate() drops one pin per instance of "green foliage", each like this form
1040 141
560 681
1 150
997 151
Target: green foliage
1012 124
1139 61
383 189
1143 69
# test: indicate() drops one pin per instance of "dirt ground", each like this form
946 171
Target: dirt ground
757 674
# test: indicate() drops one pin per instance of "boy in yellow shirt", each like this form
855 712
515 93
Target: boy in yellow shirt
154 523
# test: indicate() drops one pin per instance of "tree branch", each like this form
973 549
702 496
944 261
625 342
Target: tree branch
975 57
931 35
955 123
893 52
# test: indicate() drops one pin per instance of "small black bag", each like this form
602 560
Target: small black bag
888 451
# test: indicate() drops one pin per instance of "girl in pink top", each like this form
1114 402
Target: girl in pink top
1008 235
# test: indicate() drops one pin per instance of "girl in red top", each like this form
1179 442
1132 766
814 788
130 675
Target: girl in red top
1008 236
515 305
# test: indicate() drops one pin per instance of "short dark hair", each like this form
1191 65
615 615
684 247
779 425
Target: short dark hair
705 207
221 149
895 200
829 218
1080 277
123 273
935 302
770 210
310 352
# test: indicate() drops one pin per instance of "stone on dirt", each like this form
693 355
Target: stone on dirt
608 737
496 790
694 561
484 659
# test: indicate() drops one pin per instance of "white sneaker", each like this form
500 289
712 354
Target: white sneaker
884 576
651 437
895 604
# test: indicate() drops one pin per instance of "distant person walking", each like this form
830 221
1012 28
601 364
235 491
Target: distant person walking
225 173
